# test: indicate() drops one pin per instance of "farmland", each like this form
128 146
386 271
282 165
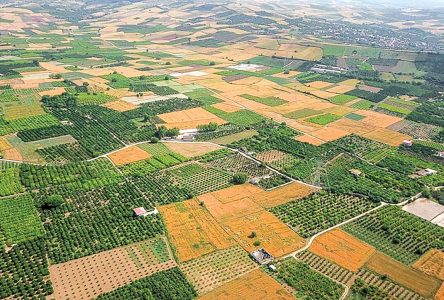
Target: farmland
318 212
223 265
221 150
342 249
307 282
385 229
192 230
124 265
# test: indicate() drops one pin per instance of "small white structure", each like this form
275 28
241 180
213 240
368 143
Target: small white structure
261 256
272 268
141 212
407 143
356 172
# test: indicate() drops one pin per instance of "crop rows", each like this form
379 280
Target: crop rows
277 159
10 181
65 153
24 271
19 220
397 233
308 283
327 268
315 213
199 179
103 219
388 286
365 148
160 188
416 130
83 175
170 284
216 268
236 163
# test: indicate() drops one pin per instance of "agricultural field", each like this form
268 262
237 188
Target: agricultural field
160 150
342 249
306 282
110 269
217 268
386 229
311 215
192 230
253 284
326 267
19 220
412 279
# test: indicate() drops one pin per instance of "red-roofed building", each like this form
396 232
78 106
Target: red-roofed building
140 212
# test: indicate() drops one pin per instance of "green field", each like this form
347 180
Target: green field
324 119
19 220
269 101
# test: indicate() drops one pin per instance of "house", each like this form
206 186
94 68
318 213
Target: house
356 172
141 212
261 256
426 172
407 143
272 268
255 180
188 138
440 154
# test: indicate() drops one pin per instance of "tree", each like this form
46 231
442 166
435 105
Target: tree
240 178
252 235
51 201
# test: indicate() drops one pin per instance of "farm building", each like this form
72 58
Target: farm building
356 172
407 143
141 212
261 256
426 172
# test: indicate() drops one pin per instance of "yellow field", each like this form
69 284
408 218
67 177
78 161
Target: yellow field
342 249
413 279
253 285
192 230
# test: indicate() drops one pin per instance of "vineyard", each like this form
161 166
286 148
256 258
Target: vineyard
397 233
200 179
364 148
320 211
308 284
326 267
93 275
387 286
19 220
9 180
217 268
